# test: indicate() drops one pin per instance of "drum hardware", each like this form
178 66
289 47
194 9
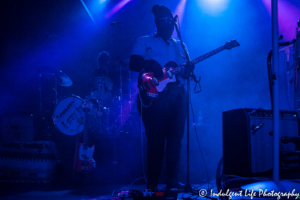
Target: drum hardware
124 127
73 95
123 67
104 113
121 98
101 87
109 100
60 78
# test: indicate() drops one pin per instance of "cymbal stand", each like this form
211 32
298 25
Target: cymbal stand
121 99
129 81
40 90
55 91
100 103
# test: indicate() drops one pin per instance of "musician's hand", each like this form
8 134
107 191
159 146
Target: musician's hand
155 67
188 69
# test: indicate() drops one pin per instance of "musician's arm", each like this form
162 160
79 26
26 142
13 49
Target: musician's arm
137 63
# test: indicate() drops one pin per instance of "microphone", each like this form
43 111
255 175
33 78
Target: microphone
174 20
116 23
283 44
280 37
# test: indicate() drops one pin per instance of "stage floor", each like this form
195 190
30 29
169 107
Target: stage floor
96 192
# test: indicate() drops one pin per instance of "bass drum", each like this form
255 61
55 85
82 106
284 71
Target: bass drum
69 116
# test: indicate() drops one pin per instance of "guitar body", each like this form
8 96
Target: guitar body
85 158
152 88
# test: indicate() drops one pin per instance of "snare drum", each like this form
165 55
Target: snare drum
69 116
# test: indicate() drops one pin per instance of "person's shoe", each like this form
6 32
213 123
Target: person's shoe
174 184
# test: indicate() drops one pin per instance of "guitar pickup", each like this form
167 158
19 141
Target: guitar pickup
147 85
151 83
155 81
169 74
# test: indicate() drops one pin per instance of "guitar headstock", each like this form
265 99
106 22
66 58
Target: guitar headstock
231 44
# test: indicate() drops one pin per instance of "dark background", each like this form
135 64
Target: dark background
231 79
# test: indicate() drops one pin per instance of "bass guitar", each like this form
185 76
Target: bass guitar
85 155
153 88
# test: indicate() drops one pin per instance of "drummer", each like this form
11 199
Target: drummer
101 84
103 62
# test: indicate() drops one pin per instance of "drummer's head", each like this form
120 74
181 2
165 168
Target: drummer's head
103 58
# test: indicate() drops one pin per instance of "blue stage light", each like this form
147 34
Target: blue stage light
213 7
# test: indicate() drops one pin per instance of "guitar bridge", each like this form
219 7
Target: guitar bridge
152 95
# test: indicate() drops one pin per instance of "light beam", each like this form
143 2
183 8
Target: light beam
116 8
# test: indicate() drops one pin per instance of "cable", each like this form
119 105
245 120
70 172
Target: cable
285 82
142 146
199 142
194 193
132 183
243 178
142 141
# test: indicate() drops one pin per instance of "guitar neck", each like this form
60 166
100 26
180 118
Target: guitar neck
86 129
207 55
199 59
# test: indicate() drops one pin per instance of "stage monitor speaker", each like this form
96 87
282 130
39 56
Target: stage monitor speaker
248 139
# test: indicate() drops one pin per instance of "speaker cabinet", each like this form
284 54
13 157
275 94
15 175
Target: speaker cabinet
25 128
248 139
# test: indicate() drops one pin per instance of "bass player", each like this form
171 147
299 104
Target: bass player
164 119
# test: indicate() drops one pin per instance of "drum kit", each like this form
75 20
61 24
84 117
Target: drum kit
110 104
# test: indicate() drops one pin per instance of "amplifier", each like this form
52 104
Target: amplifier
248 139
28 161
21 128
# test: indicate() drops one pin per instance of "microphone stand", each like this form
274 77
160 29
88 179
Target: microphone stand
187 187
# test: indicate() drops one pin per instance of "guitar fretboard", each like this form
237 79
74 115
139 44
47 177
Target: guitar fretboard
209 54
199 59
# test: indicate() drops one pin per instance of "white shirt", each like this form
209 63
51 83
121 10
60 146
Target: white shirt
153 47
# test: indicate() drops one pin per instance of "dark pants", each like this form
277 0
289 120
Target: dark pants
164 121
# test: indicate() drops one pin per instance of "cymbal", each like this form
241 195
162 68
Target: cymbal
65 80
62 78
